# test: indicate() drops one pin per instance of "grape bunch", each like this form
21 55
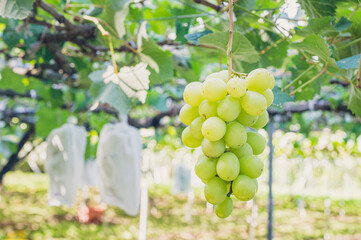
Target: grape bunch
219 114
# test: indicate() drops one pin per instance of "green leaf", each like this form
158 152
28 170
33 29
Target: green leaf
49 118
157 99
355 100
159 61
247 4
321 26
12 81
319 8
17 9
343 24
193 37
317 46
109 93
280 97
242 49
350 62
114 13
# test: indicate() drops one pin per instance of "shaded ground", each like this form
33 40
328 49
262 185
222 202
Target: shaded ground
24 213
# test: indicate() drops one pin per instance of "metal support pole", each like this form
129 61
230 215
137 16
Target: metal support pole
270 130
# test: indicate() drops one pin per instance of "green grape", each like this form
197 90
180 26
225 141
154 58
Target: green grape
259 80
251 166
188 113
257 142
268 94
214 89
254 103
236 87
205 168
196 127
208 109
245 150
213 149
228 166
225 208
214 128
192 94
244 188
221 75
236 135
245 119
229 108
215 190
262 121
189 140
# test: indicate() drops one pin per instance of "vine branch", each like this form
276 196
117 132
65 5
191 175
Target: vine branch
229 48
311 80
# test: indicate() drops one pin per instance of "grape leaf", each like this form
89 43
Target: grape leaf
343 24
350 62
17 9
193 37
242 49
317 46
318 8
110 93
355 100
320 26
159 61
280 97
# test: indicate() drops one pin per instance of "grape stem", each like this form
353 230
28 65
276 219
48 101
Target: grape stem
230 190
231 27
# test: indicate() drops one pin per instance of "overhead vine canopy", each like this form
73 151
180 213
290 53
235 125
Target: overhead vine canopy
97 59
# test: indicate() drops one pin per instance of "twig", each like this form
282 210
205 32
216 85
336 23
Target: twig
60 18
229 48
298 77
311 80
208 4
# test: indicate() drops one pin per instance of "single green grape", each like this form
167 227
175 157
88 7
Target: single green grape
189 140
251 166
236 135
228 166
245 150
254 103
245 119
257 142
236 87
229 108
244 188
205 168
192 94
214 128
268 94
188 113
208 109
196 127
224 209
213 149
262 121
221 75
215 190
259 80
214 89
